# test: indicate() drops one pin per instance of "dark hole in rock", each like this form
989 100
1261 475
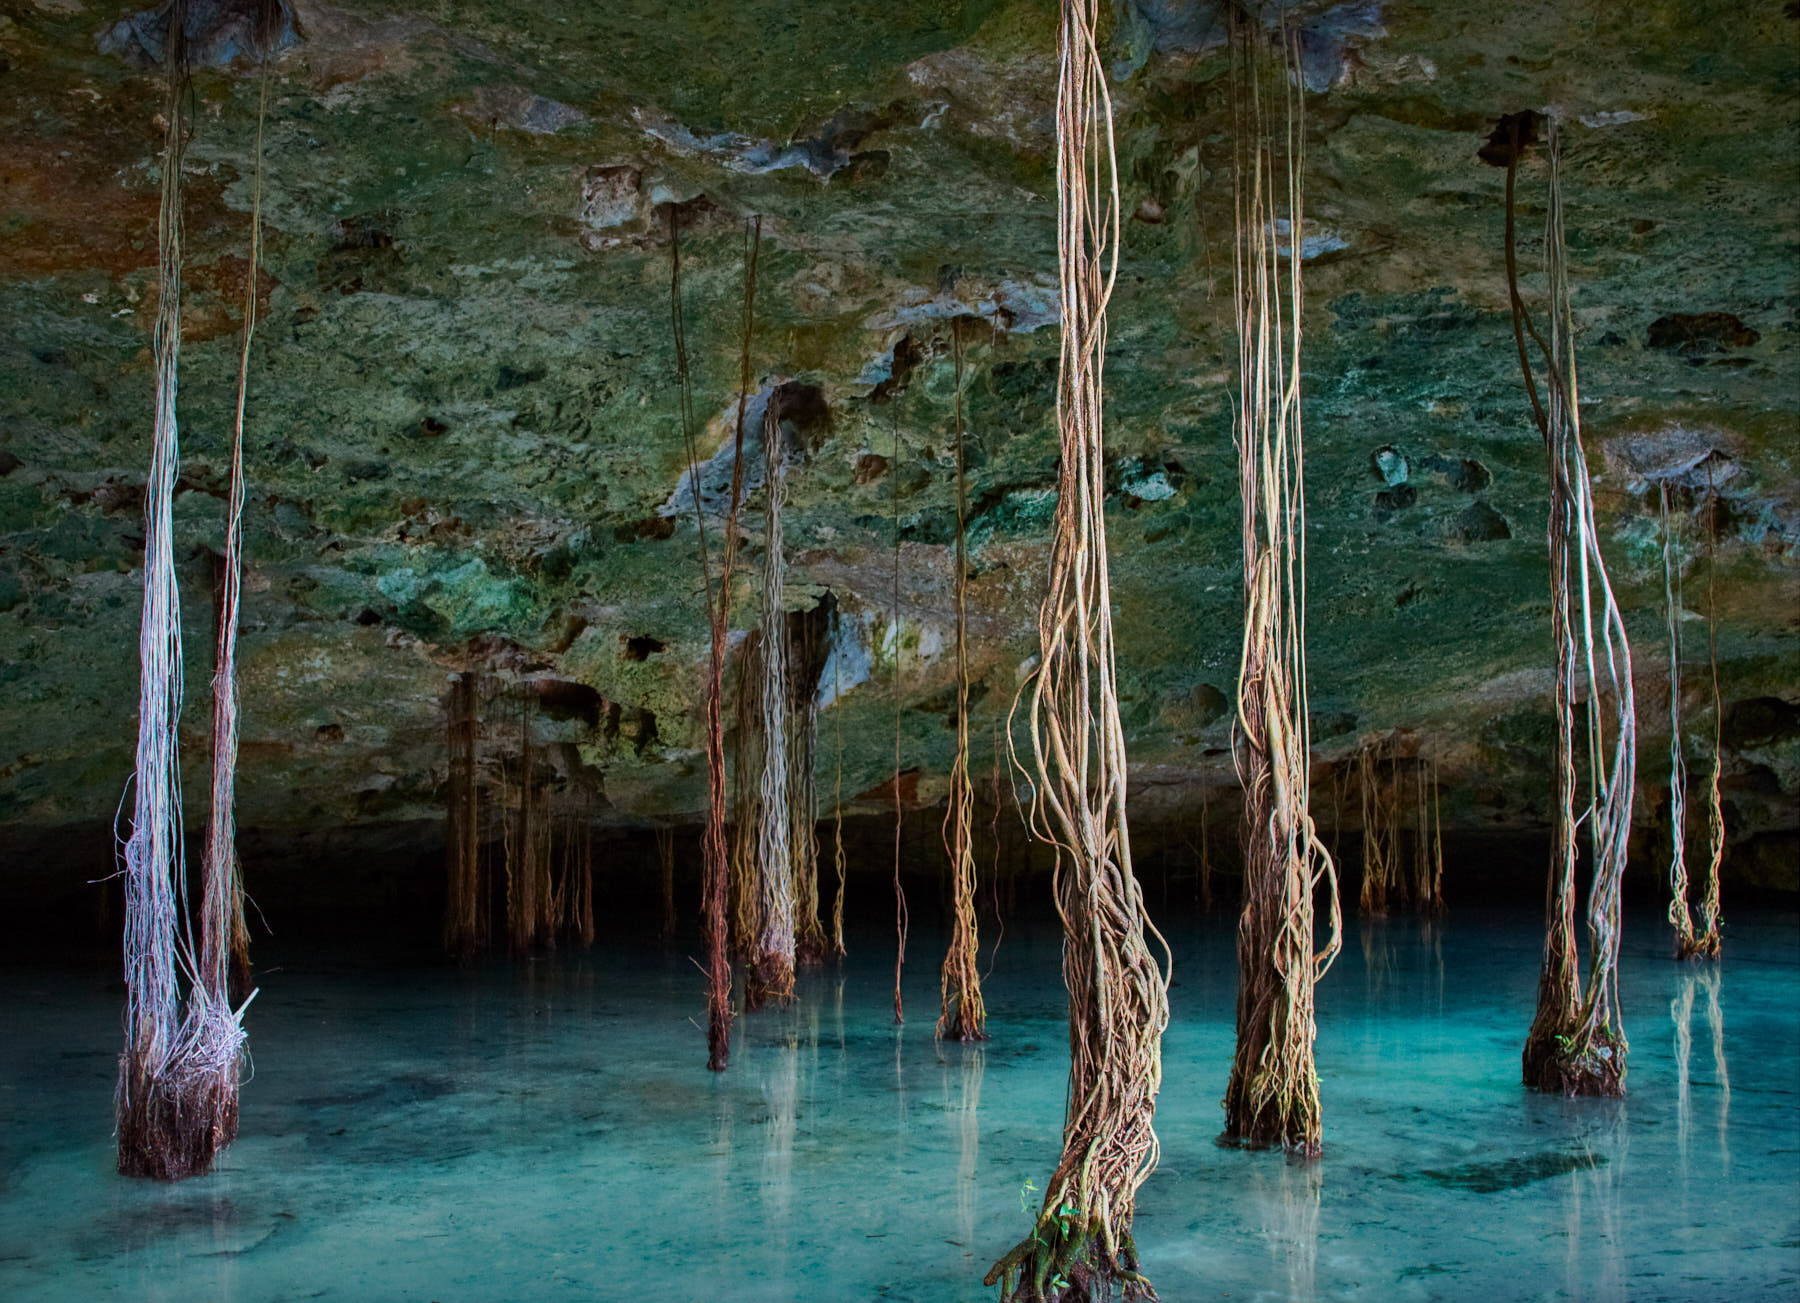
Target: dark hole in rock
906 356
804 413
867 165
557 563
1390 465
1751 780
651 527
1756 721
330 733
114 497
511 377
641 647
1336 724
365 469
1209 703
1398 498
367 231
368 615
870 466
1512 135
431 427
1404 598
8 463
1478 523
1464 474
640 730
51 356
1701 332
565 699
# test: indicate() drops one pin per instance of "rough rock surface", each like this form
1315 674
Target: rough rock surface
463 444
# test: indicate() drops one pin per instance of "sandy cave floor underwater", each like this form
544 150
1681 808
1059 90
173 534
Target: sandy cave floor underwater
551 1132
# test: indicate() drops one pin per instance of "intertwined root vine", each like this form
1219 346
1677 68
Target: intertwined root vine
1273 1095
177 1094
771 969
962 1016
1081 1245
1577 1043
1691 941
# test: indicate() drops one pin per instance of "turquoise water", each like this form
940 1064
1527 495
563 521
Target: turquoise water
550 1132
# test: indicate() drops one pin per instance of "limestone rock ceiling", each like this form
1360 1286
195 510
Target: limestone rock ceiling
463 441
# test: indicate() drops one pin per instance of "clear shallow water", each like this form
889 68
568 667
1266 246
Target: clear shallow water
552 1133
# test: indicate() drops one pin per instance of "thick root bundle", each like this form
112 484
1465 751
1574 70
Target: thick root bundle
1118 990
1576 1044
1273 1095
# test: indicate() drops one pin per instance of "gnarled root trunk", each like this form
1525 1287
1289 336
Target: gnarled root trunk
174 1127
1066 1262
1572 1064
770 978
1701 945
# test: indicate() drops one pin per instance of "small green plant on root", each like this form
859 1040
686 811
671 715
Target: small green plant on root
1066 1259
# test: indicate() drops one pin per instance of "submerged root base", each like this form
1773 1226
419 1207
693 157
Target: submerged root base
1062 1263
1291 1124
1560 1065
171 1130
1698 946
769 979
1269 1131
963 1024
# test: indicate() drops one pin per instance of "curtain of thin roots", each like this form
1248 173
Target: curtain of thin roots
1378 822
803 733
176 1103
962 1016
462 923
1273 1095
1576 1044
530 900
901 918
837 847
1715 807
1081 1245
771 970
746 771
665 868
1690 942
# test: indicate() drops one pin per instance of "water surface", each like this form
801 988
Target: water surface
549 1131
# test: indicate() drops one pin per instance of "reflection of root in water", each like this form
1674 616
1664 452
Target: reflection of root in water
1378 956
1288 1193
1715 1022
1596 1262
1681 1013
962 1102
780 1080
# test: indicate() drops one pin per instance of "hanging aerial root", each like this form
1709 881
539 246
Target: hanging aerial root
1273 1095
1118 985
963 1015
1576 1044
